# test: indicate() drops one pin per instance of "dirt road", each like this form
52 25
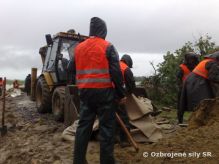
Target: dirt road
34 138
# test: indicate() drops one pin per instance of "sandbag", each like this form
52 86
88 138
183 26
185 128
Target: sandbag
69 133
138 107
138 110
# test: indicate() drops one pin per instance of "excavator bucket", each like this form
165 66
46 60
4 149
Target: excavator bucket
72 104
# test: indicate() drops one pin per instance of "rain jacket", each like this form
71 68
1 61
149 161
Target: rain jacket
182 74
129 79
94 95
197 88
190 62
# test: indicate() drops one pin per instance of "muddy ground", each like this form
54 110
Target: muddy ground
34 138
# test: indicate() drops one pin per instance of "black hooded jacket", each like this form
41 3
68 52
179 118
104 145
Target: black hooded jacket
180 73
129 81
197 88
98 29
191 61
128 75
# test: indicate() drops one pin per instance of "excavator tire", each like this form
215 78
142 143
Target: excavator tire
43 96
58 103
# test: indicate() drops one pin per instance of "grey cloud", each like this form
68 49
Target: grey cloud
18 58
138 26
133 26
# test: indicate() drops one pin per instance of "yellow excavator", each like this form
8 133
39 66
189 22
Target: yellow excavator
54 91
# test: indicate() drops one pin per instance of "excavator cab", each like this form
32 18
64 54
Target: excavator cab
57 57
52 86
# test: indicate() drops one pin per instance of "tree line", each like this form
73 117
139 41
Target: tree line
162 85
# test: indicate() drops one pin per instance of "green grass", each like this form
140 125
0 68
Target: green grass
172 115
187 115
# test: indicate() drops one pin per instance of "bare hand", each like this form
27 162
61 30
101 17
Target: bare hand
123 100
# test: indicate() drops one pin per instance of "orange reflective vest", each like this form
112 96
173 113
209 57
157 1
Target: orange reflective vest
186 71
123 67
200 68
92 66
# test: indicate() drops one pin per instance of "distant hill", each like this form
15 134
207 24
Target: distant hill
10 82
139 78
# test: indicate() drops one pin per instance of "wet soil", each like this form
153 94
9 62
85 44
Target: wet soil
36 138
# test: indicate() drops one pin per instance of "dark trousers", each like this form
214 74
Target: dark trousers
106 115
124 116
180 113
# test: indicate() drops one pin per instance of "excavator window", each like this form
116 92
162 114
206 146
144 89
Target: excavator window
63 62
52 57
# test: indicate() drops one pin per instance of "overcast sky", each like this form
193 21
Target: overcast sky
146 29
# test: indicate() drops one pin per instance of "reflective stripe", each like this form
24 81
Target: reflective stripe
94 80
92 71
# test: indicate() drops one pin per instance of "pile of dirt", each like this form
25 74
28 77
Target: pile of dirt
199 142
206 114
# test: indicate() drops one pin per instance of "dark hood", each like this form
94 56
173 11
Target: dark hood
128 60
98 28
214 55
191 60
